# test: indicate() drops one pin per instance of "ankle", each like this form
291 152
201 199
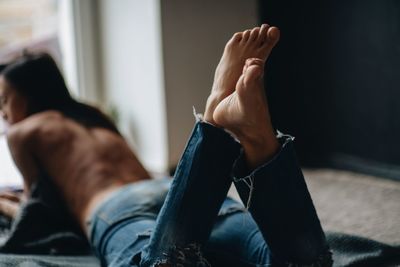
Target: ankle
259 149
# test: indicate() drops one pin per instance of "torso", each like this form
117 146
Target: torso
85 164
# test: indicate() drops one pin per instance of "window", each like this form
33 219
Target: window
28 24
31 24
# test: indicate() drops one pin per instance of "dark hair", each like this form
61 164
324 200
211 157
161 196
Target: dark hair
37 77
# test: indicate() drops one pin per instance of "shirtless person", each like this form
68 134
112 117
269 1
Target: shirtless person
85 163
96 172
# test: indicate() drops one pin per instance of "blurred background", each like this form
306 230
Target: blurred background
147 63
333 82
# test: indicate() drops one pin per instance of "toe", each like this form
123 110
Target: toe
251 61
254 34
272 37
262 36
236 38
269 43
252 74
253 70
246 35
254 61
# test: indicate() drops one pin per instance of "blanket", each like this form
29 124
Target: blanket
44 226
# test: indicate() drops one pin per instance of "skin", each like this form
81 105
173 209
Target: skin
13 108
237 101
89 164
10 203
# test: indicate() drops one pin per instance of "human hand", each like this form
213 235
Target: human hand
10 203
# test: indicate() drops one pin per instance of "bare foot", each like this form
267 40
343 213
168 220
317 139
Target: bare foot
255 43
245 113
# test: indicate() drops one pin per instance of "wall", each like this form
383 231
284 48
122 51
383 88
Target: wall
158 60
132 76
194 35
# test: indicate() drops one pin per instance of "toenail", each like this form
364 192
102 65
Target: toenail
274 34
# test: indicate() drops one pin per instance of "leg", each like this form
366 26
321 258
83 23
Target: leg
199 187
203 178
236 240
276 193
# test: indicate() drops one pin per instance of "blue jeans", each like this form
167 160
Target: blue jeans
189 221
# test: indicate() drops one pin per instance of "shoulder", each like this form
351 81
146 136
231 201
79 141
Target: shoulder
36 127
43 117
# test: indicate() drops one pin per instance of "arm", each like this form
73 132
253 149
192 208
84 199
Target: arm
22 139
10 203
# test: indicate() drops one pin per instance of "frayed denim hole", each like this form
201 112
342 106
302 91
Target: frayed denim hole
181 257
190 255
137 256
145 233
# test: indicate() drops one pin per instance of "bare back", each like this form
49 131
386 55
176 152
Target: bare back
85 164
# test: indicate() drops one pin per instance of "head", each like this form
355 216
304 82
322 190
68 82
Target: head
30 84
13 106
33 83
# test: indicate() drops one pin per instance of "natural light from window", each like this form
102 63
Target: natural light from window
31 24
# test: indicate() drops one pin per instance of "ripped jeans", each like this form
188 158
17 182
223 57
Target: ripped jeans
188 221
